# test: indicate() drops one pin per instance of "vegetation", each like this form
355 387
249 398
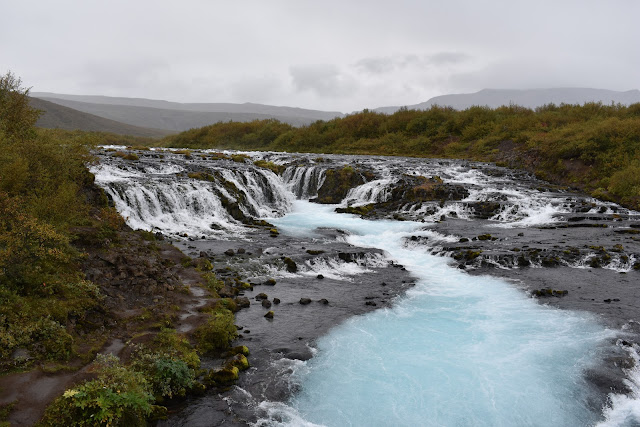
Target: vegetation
50 315
42 196
594 147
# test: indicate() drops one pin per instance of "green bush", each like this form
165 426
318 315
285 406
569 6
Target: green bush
119 396
167 375
218 332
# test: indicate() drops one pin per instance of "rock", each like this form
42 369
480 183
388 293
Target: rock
371 303
319 276
305 301
270 282
241 349
276 301
324 301
261 296
21 354
228 292
229 252
222 376
242 302
292 267
240 251
266 303
238 361
338 182
269 315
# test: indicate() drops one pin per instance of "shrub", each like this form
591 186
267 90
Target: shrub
119 396
218 332
167 375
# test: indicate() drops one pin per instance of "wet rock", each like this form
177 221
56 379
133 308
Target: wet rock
266 303
270 282
242 302
261 296
548 292
305 301
269 315
292 267
324 301
276 301
237 361
485 210
319 276
228 292
229 252
338 182
221 377
241 251
370 303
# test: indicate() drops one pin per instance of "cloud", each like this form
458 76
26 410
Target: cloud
390 64
324 80
257 89
447 58
376 65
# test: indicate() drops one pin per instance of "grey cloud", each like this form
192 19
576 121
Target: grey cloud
445 58
389 64
324 80
257 89
376 65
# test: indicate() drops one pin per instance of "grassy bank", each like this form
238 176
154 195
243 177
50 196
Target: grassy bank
593 147
56 228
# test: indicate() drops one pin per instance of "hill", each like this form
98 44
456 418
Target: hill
177 116
56 116
530 98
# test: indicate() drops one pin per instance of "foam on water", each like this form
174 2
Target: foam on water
624 410
459 350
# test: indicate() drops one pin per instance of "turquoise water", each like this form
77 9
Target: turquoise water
457 350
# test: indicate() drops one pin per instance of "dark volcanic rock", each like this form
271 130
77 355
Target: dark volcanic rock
338 182
305 301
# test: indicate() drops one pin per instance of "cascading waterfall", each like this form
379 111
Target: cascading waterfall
376 191
304 181
177 205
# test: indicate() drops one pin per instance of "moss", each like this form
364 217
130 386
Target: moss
239 158
239 361
337 184
364 210
221 377
126 156
291 265
241 349
201 176
277 169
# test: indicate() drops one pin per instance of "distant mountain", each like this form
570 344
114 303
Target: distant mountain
176 116
530 98
56 116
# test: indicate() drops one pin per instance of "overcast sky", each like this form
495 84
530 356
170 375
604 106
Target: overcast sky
332 55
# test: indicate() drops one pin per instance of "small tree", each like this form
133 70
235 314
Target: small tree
17 117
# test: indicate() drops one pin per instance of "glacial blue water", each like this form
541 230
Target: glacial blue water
457 350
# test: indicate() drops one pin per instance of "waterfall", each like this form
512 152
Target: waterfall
211 203
304 181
